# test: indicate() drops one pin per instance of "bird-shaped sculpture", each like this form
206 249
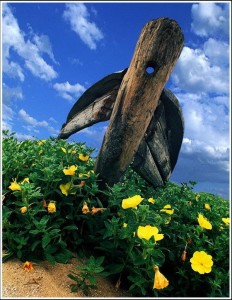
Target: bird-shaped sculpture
146 121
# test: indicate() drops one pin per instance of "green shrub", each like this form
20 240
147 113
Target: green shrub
53 208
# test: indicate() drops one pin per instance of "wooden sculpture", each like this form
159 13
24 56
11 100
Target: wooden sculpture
146 121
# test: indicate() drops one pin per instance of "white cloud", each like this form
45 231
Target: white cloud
210 19
30 51
217 52
206 129
68 91
196 72
32 123
78 17
11 93
7 117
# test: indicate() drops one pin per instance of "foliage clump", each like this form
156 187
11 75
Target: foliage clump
164 242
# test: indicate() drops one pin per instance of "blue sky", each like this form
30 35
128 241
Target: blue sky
52 52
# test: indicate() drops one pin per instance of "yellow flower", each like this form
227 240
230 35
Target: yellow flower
151 200
226 221
197 197
203 222
168 220
124 225
146 232
41 142
85 208
207 206
25 180
167 209
95 210
14 186
27 266
201 262
51 207
23 209
83 157
70 171
63 149
131 202
83 175
160 281
65 188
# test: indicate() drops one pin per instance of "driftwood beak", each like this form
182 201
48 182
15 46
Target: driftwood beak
95 105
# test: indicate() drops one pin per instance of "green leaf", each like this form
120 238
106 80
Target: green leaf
46 240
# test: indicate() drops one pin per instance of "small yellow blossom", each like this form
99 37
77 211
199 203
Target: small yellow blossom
124 225
151 200
146 232
168 220
160 281
197 197
203 222
27 266
226 221
201 262
70 171
85 208
14 186
41 142
207 206
23 209
167 209
51 207
131 202
95 210
25 180
83 175
65 188
63 149
83 157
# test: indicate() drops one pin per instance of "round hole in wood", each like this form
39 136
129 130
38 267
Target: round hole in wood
150 70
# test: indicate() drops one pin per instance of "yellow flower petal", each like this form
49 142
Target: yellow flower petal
207 206
85 208
201 262
14 186
131 202
51 207
70 171
83 157
226 221
167 209
27 266
23 209
203 222
146 232
151 200
160 281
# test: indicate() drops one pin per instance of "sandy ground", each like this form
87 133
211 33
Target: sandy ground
47 281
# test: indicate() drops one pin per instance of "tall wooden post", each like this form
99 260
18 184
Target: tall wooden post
158 48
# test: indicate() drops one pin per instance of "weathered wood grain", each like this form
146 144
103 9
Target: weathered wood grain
159 46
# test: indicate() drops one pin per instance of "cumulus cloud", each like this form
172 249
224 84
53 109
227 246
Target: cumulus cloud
201 83
68 91
13 38
32 123
210 19
9 94
78 17
197 72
